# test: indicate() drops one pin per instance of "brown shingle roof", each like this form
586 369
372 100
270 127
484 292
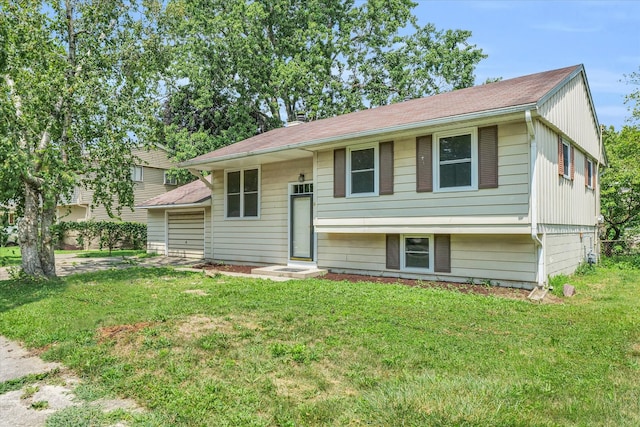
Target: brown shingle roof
188 194
498 96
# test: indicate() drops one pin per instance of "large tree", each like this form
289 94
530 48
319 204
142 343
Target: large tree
620 182
245 66
74 99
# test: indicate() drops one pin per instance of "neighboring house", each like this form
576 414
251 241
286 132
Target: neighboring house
497 182
150 180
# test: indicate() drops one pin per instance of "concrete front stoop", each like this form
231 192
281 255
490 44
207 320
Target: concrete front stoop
294 272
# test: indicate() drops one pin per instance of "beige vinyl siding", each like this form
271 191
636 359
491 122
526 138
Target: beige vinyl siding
493 257
564 251
509 201
156 233
499 258
263 240
562 201
72 213
569 109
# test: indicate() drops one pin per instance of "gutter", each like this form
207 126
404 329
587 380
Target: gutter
366 133
202 204
534 198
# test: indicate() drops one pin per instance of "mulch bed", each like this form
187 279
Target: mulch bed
355 278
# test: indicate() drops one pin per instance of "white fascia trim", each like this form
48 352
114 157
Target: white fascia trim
373 132
189 205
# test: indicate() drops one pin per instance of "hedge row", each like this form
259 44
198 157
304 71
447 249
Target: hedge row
111 235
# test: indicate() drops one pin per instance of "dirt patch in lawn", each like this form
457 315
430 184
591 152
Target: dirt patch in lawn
512 293
113 332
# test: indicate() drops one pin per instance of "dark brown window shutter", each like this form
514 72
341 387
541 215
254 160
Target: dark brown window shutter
573 162
488 157
560 157
386 167
424 164
393 251
339 172
442 248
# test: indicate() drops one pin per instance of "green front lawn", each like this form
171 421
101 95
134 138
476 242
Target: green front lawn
11 255
200 351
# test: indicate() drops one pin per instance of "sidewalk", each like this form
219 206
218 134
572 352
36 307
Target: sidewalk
34 402
70 263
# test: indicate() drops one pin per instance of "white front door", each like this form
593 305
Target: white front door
301 238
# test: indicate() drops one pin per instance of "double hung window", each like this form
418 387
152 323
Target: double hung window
362 167
242 193
456 160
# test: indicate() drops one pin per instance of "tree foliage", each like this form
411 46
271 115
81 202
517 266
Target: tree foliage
245 66
620 182
633 98
74 99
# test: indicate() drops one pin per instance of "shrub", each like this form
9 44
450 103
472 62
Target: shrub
111 235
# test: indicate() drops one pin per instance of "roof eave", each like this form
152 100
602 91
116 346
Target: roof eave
203 203
398 128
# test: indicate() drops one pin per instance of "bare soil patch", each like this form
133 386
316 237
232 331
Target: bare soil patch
112 332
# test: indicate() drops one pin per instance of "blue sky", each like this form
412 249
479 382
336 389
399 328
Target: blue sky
525 37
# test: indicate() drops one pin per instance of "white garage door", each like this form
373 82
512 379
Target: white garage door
185 234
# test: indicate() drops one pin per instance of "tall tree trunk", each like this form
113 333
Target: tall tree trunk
47 257
28 233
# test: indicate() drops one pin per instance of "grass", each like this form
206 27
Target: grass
198 350
11 255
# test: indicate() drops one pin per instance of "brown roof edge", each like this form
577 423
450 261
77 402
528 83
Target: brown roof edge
492 99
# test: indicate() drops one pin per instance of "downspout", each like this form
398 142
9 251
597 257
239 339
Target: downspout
534 199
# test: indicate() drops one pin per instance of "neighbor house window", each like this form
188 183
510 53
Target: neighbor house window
242 193
417 252
361 171
169 180
588 173
12 218
136 173
456 160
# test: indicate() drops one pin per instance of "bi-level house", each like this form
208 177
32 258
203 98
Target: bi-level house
497 182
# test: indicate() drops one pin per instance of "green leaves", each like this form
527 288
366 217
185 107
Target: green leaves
620 182
243 67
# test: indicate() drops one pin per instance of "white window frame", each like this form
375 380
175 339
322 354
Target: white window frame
473 131
376 169
403 253
134 173
566 161
169 180
589 174
242 217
